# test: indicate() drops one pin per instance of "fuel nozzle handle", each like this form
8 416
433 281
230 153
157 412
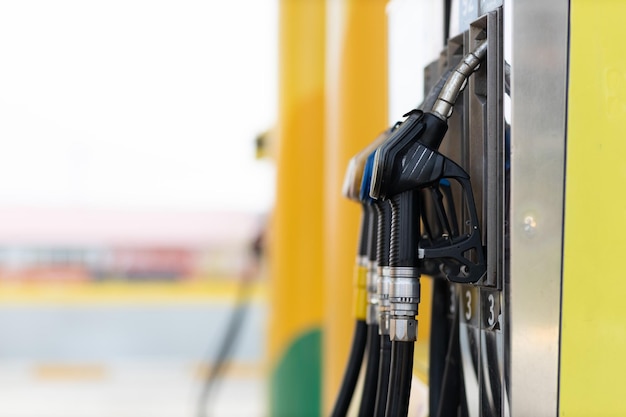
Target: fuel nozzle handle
402 166
407 160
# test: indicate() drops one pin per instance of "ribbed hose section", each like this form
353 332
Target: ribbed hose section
368 398
383 210
383 376
353 368
400 379
382 259
394 231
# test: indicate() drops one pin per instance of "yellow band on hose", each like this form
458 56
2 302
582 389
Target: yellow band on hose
360 292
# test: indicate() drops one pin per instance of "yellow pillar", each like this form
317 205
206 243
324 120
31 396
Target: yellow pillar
296 306
356 112
593 317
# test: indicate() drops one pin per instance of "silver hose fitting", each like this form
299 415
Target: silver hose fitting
383 284
457 81
372 294
404 298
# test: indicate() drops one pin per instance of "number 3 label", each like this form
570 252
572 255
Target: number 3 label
492 315
468 311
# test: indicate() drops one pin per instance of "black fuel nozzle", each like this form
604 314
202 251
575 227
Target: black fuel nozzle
409 162
393 180
408 171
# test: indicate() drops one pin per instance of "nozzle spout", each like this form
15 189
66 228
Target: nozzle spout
457 81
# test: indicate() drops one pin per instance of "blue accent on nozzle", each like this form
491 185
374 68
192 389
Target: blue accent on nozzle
367 180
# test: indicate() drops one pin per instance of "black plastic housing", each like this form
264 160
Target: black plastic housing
405 228
406 166
407 160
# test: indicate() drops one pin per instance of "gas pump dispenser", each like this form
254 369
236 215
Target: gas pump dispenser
474 197
469 319
409 173
407 169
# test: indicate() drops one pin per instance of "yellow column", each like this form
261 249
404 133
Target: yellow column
296 306
593 342
356 113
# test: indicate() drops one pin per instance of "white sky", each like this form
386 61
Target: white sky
136 103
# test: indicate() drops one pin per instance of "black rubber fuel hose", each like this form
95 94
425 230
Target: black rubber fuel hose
368 398
353 368
384 366
400 379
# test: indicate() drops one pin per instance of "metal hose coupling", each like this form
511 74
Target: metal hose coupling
383 286
404 299
372 293
457 81
360 288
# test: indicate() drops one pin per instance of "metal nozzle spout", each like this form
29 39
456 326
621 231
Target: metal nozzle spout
457 81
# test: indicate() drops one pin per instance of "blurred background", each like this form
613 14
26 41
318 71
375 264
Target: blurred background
133 195
173 236
174 241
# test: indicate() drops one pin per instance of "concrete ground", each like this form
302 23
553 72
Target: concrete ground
124 360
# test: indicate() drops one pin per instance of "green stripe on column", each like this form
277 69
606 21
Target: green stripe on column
296 381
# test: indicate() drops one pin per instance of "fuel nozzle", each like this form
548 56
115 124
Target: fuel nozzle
363 269
408 159
378 279
406 165
353 179
356 188
401 167
457 81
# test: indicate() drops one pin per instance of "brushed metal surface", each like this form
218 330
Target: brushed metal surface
539 54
